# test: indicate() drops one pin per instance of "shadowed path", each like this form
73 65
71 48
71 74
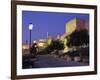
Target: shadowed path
44 61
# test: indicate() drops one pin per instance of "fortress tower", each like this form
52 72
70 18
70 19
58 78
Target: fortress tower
76 24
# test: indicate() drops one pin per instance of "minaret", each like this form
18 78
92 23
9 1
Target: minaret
47 35
49 39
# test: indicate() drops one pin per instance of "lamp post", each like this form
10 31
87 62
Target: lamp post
30 31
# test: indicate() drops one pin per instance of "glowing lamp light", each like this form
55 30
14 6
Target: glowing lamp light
30 26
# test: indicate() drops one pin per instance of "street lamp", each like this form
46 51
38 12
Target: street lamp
30 30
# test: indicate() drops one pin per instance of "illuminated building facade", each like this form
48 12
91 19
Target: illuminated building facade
76 24
71 26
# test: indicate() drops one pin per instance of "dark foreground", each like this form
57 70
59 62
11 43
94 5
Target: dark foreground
45 61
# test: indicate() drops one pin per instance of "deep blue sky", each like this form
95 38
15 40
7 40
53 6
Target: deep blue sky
51 22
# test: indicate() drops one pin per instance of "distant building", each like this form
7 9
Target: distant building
42 43
25 48
58 37
25 45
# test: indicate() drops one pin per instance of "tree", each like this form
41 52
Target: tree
78 38
56 44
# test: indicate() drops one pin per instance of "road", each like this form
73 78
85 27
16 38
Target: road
45 61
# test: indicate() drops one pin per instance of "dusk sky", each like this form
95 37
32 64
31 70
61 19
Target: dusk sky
51 22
